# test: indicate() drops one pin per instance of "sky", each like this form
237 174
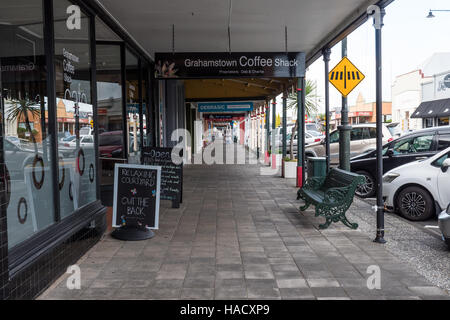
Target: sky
408 39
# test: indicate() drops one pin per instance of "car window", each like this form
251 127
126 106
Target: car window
438 162
334 137
88 140
444 142
372 133
8 146
412 145
356 134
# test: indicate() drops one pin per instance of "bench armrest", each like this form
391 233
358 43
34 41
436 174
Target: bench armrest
337 194
314 183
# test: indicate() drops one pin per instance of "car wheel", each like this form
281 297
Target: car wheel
367 189
415 203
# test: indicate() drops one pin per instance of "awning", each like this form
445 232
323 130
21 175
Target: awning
433 109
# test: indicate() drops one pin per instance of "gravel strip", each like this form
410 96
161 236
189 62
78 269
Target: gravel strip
428 255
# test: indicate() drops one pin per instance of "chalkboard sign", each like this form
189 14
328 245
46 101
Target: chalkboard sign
171 173
136 196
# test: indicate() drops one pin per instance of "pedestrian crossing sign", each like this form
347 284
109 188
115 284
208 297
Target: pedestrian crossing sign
345 76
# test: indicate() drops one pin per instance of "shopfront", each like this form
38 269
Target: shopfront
76 98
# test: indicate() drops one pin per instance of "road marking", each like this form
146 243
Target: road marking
431 227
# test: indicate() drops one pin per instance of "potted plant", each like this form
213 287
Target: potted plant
289 168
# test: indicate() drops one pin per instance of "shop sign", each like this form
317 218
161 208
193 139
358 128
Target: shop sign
190 65
224 106
136 196
171 173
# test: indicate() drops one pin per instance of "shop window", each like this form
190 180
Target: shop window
443 121
25 140
77 162
428 123
110 116
133 108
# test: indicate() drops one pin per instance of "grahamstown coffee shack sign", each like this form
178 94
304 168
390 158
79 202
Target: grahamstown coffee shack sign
229 65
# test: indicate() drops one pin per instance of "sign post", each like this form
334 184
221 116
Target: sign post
136 201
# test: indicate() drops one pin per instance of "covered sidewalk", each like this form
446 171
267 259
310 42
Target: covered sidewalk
239 235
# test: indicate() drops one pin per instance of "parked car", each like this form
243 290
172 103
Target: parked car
13 140
420 189
110 144
444 225
85 141
420 144
395 129
310 137
362 140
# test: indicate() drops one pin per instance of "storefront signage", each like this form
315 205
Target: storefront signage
136 196
229 65
171 173
224 106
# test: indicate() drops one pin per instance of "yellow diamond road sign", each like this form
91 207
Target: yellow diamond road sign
345 76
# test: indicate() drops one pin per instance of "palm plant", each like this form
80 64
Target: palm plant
22 109
310 108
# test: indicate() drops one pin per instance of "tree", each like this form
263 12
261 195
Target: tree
310 108
22 109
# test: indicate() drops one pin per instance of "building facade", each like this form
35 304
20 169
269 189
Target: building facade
77 96
362 112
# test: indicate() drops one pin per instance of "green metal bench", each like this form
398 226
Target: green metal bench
331 195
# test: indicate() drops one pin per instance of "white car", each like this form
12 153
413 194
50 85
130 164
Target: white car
310 137
420 189
85 141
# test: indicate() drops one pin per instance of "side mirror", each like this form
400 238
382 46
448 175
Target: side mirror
445 165
390 152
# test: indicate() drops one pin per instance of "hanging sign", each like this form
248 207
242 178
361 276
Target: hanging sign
171 173
224 106
136 196
229 65
345 76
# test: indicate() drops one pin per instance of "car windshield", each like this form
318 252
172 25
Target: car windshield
315 133
438 163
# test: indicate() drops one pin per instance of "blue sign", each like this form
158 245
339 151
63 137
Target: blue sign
224 106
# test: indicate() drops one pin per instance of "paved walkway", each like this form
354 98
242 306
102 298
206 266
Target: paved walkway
239 235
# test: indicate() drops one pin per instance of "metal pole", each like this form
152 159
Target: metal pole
344 128
284 133
267 133
274 148
300 131
326 58
378 24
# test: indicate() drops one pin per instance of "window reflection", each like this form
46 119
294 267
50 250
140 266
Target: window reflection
26 174
132 114
77 165
110 116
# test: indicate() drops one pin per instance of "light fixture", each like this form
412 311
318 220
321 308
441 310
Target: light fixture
430 14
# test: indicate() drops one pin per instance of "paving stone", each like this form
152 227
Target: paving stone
263 293
232 293
292 283
427 291
321 283
197 293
